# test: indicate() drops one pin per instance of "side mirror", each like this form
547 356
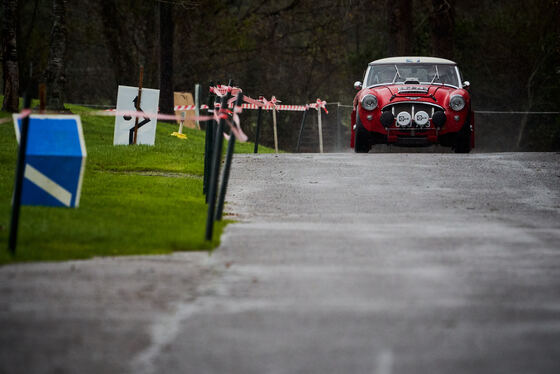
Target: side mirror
358 85
466 85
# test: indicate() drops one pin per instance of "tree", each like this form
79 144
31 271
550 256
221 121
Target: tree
399 26
166 56
120 43
55 75
443 24
9 57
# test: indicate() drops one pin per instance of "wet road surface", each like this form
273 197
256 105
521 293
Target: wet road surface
339 263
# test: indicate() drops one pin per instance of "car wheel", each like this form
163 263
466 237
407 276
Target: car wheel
463 140
361 138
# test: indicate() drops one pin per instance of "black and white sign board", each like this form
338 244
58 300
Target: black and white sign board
124 124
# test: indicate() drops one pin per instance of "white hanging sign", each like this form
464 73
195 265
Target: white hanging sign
124 125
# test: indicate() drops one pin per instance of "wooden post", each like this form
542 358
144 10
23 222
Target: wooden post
320 126
183 116
301 129
138 103
275 129
338 129
258 132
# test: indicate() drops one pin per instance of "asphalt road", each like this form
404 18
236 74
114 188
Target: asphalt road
340 263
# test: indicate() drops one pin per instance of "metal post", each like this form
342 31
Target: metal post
225 177
208 141
258 133
197 104
227 166
19 177
215 171
301 129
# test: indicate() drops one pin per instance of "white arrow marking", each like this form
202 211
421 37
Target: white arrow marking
47 184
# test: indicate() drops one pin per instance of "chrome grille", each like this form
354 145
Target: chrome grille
412 108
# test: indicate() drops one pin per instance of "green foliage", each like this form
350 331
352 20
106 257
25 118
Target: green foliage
135 199
509 52
298 50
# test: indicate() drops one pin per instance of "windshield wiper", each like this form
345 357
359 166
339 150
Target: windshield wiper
397 74
436 75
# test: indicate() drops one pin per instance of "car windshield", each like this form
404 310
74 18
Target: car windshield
412 73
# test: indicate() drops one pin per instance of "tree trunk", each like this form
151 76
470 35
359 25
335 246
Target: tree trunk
166 57
530 97
119 43
55 77
399 18
9 57
443 24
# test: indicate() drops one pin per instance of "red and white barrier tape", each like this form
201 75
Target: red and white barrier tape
236 125
221 90
220 114
319 104
250 103
183 108
224 114
133 113
24 113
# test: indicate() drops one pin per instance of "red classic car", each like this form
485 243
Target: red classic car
412 101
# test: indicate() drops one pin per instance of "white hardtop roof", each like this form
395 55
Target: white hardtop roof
412 60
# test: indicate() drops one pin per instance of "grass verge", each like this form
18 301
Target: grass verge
135 199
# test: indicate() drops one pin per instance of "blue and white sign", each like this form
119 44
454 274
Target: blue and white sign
124 125
54 160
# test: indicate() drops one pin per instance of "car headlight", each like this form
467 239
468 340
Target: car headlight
457 102
369 102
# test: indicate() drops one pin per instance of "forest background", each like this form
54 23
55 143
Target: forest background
296 50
